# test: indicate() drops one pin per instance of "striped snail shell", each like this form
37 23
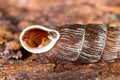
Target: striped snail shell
87 43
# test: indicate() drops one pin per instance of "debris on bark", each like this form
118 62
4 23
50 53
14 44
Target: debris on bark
18 64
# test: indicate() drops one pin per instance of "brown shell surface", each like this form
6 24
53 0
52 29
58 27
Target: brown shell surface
95 39
87 43
83 42
70 43
112 47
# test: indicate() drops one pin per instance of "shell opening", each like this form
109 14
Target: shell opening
38 39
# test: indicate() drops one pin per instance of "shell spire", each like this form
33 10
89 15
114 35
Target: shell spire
95 40
81 42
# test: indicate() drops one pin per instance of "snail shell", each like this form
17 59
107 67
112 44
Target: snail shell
87 43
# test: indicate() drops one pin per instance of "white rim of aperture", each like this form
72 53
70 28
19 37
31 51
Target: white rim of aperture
37 49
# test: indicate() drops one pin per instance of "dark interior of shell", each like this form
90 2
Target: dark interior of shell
36 37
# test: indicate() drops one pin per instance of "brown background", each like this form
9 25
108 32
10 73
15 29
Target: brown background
15 15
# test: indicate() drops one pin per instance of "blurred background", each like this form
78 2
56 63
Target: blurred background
22 13
15 15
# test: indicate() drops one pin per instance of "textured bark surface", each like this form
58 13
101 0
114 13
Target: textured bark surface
18 64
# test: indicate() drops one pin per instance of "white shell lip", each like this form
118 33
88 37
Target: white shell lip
38 49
